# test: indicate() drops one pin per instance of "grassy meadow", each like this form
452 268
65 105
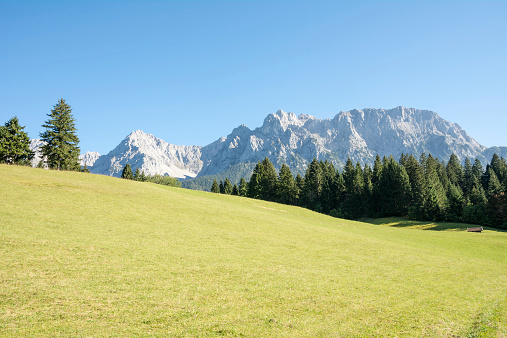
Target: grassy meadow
90 255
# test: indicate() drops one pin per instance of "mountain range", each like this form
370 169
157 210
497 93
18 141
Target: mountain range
295 140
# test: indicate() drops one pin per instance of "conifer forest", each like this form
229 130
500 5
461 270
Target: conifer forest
422 189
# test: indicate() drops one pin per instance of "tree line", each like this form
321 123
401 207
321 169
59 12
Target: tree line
139 175
422 189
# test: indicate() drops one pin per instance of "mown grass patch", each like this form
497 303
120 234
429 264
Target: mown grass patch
89 255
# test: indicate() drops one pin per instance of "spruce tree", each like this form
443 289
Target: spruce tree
394 188
214 187
235 190
313 186
455 203
221 187
454 170
416 177
227 187
137 174
61 149
286 187
243 187
127 172
14 143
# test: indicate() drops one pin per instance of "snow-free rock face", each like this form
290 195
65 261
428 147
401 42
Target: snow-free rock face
295 140
35 146
152 155
88 159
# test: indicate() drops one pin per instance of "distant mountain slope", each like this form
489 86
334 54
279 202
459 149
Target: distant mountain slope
151 154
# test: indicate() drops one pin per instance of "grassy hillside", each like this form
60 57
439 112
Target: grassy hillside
89 255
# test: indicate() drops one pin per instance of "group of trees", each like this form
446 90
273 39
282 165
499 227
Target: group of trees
60 150
423 189
139 175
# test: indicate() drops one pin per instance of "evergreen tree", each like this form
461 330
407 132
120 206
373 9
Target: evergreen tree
478 171
328 194
468 179
435 199
286 186
313 186
14 143
85 169
352 206
142 177
394 188
221 187
127 172
416 177
454 170
235 190
61 149
374 206
255 185
243 187
456 203
137 174
214 187
263 181
227 187
300 183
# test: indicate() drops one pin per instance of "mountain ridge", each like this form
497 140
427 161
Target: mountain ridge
284 137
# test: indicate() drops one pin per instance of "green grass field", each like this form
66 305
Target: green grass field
89 255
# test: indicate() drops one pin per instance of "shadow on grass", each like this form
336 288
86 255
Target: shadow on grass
399 222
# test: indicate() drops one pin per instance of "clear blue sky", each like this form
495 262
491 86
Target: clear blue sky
191 71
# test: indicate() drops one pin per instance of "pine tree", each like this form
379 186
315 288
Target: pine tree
214 187
235 190
61 149
243 187
127 172
143 177
227 187
221 187
14 143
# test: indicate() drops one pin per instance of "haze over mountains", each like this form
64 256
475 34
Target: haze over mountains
296 140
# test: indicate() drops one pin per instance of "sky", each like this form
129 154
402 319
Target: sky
189 72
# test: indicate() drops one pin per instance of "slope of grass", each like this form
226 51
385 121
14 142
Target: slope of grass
89 255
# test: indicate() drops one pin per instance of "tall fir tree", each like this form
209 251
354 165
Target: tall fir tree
454 170
127 172
243 187
137 174
14 143
313 186
235 190
221 187
214 187
228 187
61 150
395 188
286 186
